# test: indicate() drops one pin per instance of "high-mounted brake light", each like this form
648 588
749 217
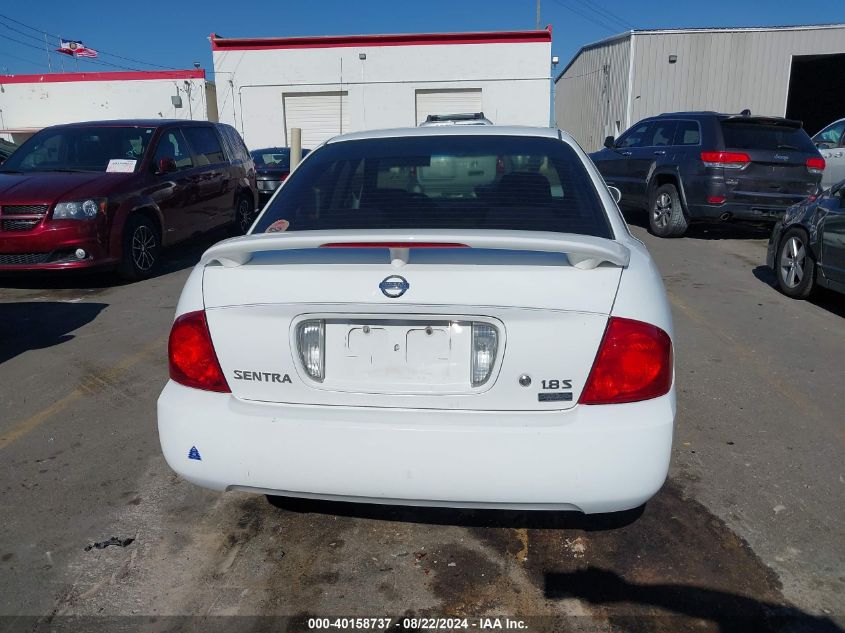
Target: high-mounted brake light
393 245
634 363
191 355
815 165
728 160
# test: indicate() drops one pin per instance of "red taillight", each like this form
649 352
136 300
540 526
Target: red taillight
815 165
731 160
715 199
634 363
193 362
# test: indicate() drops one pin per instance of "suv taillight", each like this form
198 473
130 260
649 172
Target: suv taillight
728 160
634 363
815 165
191 355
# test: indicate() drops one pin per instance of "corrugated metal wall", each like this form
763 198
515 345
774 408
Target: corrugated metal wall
726 71
589 100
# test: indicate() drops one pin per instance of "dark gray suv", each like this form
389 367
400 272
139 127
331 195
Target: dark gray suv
691 166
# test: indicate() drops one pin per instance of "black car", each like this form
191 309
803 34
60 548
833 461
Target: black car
272 167
691 166
807 248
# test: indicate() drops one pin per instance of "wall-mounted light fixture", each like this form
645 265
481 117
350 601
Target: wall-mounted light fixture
673 59
362 56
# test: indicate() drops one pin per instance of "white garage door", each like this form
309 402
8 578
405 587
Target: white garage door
321 115
458 101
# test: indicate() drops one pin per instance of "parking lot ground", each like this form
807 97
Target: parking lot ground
749 525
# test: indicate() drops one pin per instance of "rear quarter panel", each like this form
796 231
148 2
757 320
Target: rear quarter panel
641 293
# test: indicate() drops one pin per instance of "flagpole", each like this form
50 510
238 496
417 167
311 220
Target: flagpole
62 57
47 50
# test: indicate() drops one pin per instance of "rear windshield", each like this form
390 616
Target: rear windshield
273 157
82 149
744 135
440 182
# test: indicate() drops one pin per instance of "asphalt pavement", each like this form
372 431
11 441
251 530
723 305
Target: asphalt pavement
749 524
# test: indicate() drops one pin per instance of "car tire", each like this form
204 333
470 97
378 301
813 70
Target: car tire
141 248
665 212
794 266
244 214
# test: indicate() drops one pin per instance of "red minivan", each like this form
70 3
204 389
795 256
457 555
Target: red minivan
113 193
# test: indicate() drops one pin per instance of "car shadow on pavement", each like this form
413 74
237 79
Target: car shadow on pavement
829 300
187 254
709 230
174 259
31 325
461 517
730 612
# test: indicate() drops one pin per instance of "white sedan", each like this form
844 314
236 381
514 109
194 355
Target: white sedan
449 316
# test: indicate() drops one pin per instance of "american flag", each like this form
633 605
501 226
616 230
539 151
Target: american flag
75 48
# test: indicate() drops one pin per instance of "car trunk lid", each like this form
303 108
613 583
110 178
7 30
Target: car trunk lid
401 315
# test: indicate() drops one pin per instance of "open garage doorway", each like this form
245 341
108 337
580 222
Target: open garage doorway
816 89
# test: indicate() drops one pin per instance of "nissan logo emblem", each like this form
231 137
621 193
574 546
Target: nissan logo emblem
394 286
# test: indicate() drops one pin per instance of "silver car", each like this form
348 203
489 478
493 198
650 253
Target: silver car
831 144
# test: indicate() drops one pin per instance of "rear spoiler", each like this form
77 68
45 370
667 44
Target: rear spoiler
764 120
583 251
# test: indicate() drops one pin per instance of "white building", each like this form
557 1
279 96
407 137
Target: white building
792 71
31 102
329 85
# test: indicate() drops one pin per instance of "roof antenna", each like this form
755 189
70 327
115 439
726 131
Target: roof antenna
746 112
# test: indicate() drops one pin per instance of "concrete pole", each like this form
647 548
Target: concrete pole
295 147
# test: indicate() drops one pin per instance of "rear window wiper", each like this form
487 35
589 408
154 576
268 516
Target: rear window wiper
788 147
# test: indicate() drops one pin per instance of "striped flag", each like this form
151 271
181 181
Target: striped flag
75 48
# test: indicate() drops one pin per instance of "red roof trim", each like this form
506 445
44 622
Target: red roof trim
409 39
98 76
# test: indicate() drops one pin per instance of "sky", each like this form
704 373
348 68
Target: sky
175 34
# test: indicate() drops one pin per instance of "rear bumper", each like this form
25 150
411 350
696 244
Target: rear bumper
51 246
265 194
739 211
589 458
760 205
